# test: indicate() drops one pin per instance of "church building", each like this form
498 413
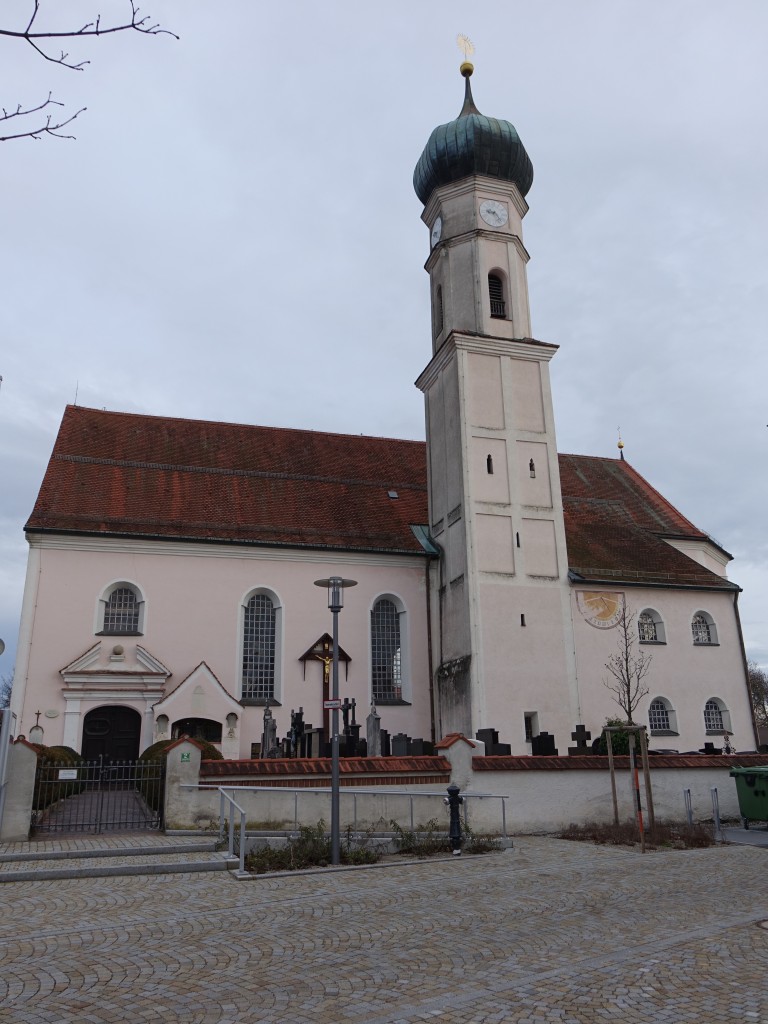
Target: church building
172 563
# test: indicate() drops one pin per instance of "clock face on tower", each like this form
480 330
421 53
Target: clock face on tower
437 232
494 213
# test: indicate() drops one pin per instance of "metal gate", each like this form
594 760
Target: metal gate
98 796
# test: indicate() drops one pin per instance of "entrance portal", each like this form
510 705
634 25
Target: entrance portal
112 732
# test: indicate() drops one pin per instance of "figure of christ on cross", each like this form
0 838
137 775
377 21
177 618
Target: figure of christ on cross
327 660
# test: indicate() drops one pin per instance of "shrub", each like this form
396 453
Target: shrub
479 842
427 840
665 835
158 750
49 789
312 848
619 740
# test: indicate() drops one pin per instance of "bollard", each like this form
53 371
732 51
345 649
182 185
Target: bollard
454 802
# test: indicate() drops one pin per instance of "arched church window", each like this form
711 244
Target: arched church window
646 627
386 652
259 645
121 611
489 464
716 717
703 629
496 293
661 718
532 469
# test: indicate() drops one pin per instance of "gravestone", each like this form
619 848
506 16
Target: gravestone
313 742
386 746
269 735
581 736
490 737
401 745
543 745
296 733
373 732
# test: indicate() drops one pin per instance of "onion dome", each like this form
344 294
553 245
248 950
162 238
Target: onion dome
472 144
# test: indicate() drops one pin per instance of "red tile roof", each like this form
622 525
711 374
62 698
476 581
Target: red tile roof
152 476
615 521
120 474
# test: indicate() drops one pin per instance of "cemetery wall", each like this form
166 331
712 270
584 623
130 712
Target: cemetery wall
544 794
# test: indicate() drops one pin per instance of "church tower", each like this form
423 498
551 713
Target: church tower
503 649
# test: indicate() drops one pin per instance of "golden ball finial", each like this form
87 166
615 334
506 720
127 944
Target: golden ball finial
467 68
620 444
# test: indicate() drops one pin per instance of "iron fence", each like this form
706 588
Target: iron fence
98 796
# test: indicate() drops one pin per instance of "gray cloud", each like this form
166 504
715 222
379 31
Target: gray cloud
234 235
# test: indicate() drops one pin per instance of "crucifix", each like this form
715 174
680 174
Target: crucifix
322 651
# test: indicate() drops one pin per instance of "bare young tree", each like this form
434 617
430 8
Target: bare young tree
758 691
627 667
6 685
49 120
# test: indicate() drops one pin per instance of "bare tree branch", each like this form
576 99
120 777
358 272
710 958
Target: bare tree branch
35 37
627 669
758 689
6 685
51 126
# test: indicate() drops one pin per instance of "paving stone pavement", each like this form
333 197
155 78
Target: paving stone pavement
549 933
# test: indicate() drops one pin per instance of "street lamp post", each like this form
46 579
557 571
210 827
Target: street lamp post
335 586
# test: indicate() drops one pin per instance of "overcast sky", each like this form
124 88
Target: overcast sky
234 234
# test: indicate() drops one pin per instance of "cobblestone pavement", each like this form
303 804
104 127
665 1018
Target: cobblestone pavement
550 933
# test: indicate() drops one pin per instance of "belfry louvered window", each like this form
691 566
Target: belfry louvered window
386 659
496 293
259 642
121 612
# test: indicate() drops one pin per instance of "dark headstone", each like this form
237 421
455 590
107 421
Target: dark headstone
487 736
543 745
401 745
581 736
386 746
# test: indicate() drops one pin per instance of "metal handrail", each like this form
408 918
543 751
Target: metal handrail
224 796
353 792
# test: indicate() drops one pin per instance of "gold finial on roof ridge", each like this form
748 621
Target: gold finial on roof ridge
620 444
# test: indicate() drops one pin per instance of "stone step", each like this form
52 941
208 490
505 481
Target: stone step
92 849
115 863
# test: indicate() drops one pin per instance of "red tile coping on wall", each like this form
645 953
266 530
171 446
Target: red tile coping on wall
589 763
373 770
453 737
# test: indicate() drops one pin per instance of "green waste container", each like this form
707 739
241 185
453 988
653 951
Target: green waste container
752 790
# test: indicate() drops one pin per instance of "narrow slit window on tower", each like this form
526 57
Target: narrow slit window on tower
496 293
517 539
522 619
532 469
438 311
489 464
